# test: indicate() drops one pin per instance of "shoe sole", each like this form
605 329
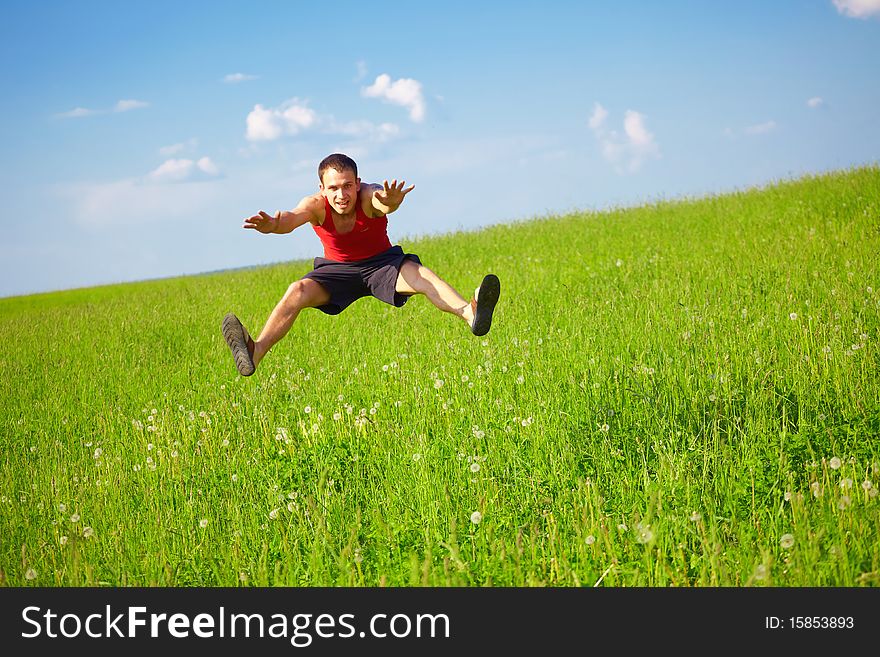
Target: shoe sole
236 337
490 290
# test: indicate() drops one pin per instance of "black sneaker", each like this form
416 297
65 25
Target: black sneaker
485 296
237 338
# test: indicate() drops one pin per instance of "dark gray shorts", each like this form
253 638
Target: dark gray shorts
349 281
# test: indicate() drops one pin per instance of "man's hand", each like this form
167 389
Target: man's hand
263 222
392 195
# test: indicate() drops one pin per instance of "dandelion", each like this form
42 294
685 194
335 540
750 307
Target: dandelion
30 574
476 517
643 533
604 428
844 502
438 383
234 478
867 485
520 379
834 463
787 496
696 517
786 541
589 540
622 527
384 368
308 409
760 573
273 514
475 467
417 456
816 488
846 483
74 518
63 540
358 557
203 523
88 532
242 577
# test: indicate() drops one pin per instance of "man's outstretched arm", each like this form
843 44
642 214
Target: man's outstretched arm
284 221
387 198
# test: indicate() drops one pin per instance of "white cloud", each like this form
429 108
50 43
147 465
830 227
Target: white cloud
76 113
405 92
120 106
235 78
858 8
815 101
627 152
207 166
294 116
177 188
760 128
597 120
127 105
134 201
174 149
361 70
290 118
184 170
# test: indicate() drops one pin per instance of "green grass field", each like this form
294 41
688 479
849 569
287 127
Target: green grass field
681 394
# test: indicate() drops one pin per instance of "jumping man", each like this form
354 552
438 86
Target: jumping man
350 218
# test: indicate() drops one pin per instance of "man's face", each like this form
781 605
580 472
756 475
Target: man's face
341 189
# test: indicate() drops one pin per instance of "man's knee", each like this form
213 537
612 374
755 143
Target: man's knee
306 293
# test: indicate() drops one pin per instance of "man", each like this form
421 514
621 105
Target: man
350 218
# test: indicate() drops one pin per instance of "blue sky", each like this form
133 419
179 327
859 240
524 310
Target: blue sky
138 135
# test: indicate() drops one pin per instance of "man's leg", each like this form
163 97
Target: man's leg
304 293
415 278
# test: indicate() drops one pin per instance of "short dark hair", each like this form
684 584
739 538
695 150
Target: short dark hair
337 161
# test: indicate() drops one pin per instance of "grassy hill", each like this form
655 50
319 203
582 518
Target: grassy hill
685 393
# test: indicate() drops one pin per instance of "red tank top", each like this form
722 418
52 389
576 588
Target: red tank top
369 236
